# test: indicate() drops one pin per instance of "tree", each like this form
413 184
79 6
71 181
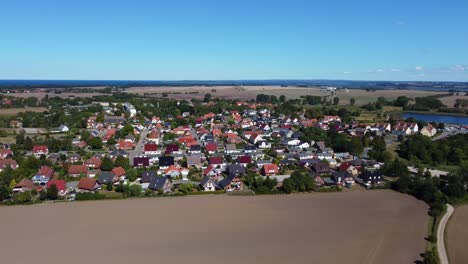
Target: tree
4 193
123 162
131 174
336 100
52 192
431 256
352 101
95 143
134 190
107 164
13 183
282 98
288 185
207 98
28 143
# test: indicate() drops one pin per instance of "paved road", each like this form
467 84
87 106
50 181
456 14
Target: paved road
139 148
440 235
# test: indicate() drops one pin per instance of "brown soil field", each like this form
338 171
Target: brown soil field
355 227
61 95
250 92
15 111
457 236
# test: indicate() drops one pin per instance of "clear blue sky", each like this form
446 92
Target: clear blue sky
238 39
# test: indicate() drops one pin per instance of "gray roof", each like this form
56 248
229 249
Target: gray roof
106 177
157 183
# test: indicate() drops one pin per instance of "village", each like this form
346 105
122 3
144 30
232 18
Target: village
215 153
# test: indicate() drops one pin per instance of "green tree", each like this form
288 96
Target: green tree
52 192
352 101
336 100
123 162
107 164
282 98
95 143
131 174
207 98
13 183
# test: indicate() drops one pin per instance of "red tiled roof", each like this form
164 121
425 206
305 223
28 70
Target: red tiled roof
216 160
40 148
61 184
78 169
211 147
119 171
151 147
87 184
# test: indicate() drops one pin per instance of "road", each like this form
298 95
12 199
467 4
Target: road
441 235
139 148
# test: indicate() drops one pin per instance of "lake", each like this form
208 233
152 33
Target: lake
450 119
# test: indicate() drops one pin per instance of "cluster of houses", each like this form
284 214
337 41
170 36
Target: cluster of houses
218 149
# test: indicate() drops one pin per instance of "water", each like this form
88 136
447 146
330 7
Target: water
449 119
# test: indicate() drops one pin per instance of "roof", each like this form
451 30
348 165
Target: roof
245 159
25 183
147 176
171 168
151 147
106 177
216 160
87 184
227 180
118 171
78 169
157 183
61 184
236 169
207 179
8 162
166 161
40 148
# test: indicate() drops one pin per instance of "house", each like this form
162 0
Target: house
194 161
211 148
160 183
371 177
154 136
263 144
172 172
236 169
40 150
208 184
210 171
87 185
23 186
343 178
107 177
119 173
93 163
141 162
172 148
244 160
318 181
250 148
74 158
217 162
43 175
151 149
270 170
195 149
428 131
8 163
5 153
348 168
77 171
231 183
126 145
231 149
321 168
61 186
165 162
63 129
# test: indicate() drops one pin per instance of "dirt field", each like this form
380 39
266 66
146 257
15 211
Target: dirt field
15 111
356 227
457 236
250 92
61 95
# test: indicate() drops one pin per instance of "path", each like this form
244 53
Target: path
441 237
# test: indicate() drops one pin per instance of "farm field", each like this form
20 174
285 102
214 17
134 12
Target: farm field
15 111
250 92
457 235
365 227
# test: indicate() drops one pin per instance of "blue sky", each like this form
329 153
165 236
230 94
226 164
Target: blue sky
239 39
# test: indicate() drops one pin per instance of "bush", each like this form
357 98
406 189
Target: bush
89 196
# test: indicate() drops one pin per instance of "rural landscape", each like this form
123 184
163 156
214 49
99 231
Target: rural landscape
239 131
315 166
